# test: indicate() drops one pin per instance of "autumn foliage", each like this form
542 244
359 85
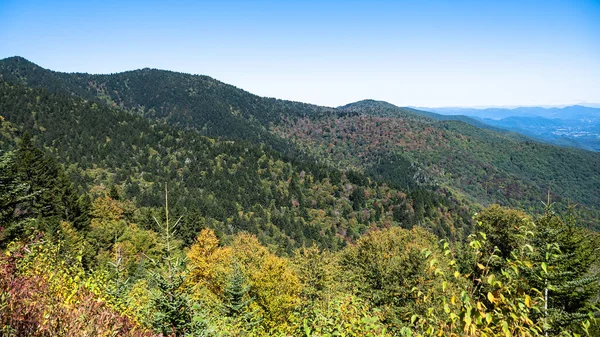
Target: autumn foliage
42 295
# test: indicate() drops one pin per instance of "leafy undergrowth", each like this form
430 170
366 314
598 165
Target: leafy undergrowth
45 294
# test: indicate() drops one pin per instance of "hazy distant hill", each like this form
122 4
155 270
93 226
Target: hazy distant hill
568 113
576 126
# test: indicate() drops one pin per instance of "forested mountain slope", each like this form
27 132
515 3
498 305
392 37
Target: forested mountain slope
230 186
404 147
377 242
486 165
198 102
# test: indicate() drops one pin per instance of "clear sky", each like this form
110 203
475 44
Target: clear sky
418 53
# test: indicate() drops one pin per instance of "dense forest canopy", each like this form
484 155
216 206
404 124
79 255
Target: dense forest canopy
483 165
155 203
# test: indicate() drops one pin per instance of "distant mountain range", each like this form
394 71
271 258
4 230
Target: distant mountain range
575 126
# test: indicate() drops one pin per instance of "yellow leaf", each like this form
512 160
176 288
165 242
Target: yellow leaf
528 301
490 297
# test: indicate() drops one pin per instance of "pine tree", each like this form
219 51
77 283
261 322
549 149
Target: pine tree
236 293
12 192
237 301
40 174
52 194
567 254
174 313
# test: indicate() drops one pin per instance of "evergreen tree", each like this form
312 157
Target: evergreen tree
39 173
566 254
174 314
237 301
236 293
12 192
53 195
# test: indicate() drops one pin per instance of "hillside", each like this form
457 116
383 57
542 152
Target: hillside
481 164
230 186
385 109
401 146
202 103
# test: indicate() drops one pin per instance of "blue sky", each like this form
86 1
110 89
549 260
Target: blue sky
418 53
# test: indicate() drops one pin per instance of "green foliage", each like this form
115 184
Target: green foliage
502 303
52 193
391 282
502 227
357 198
236 293
318 271
566 254
347 316
228 186
387 267
237 303
173 310
173 314
34 186
12 192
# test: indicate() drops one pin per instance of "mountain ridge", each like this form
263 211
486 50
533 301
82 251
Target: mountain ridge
228 185
484 164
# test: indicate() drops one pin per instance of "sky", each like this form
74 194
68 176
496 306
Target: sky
409 53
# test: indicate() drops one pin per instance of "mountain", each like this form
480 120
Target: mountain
153 203
481 164
411 150
214 108
229 185
575 126
567 113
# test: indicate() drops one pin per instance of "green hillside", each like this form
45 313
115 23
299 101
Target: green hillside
484 165
399 146
202 103
230 186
